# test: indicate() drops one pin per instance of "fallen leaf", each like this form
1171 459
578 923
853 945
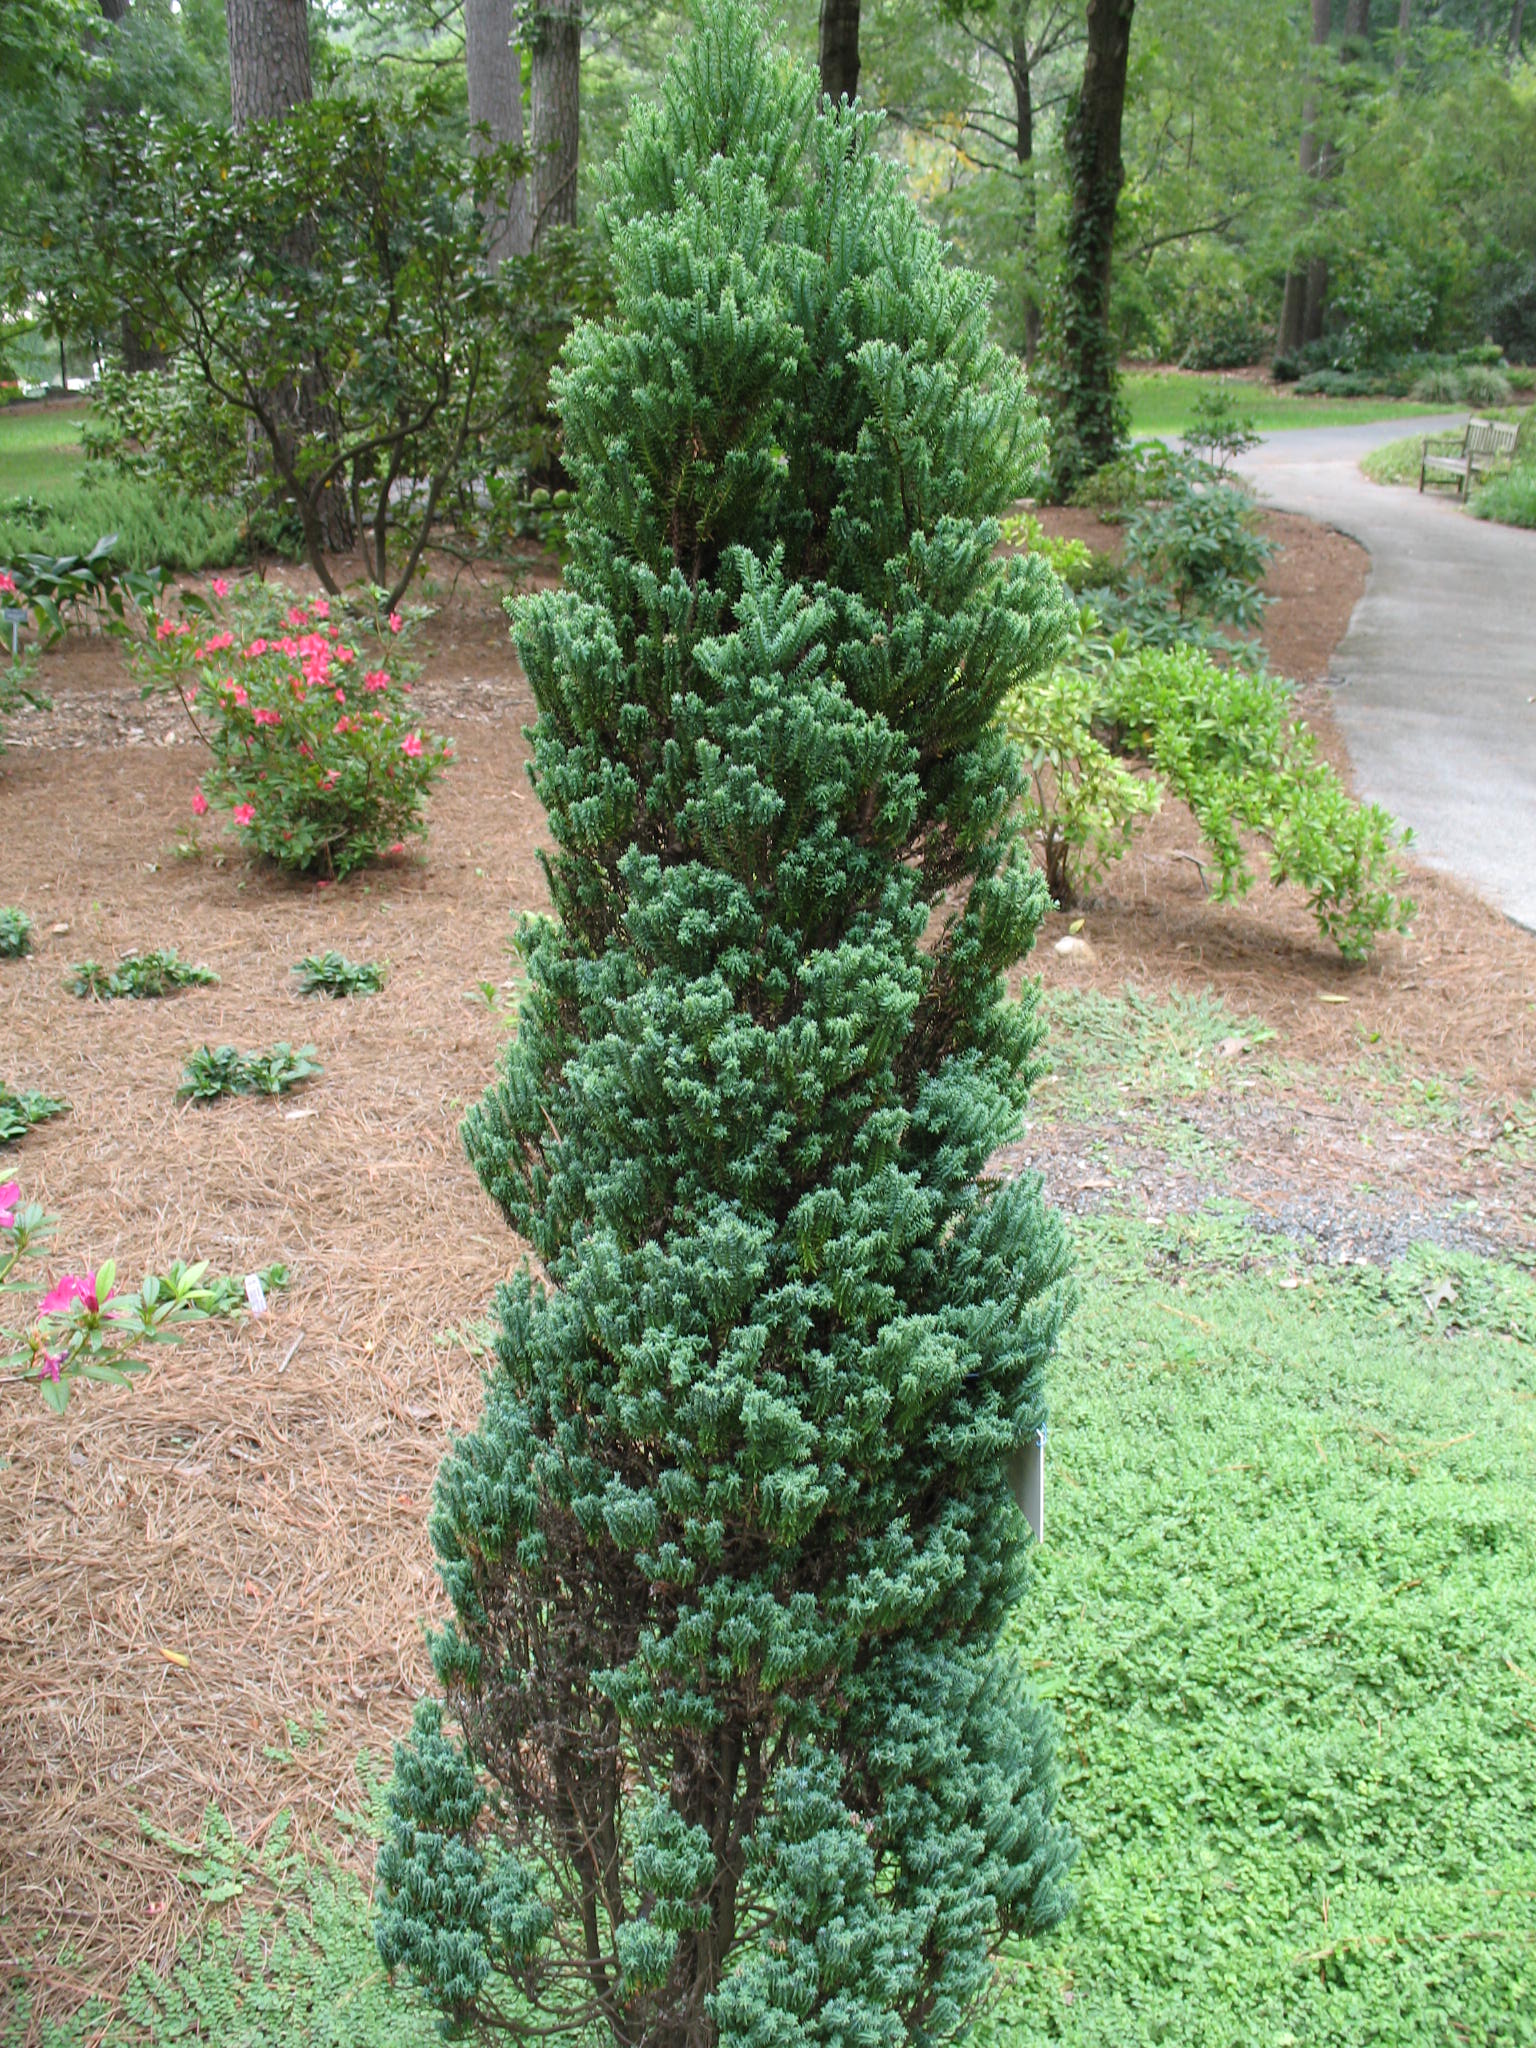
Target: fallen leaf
1331 999
1441 1296
175 1657
1230 1048
1290 1280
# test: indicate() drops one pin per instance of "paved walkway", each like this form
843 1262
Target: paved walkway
1439 664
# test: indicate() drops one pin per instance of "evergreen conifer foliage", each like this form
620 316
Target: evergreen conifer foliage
732 1752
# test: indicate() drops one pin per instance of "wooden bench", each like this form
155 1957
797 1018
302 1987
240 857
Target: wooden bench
1484 445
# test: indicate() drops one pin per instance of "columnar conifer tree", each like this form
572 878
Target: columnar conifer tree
732 1751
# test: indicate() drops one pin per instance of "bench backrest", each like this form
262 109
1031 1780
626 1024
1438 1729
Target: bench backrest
1490 437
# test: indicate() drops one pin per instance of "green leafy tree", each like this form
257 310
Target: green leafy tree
733 1750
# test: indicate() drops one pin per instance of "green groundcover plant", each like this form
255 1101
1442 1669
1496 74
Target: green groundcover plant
332 974
317 758
20 1109
729 1751
215 1070
142 975
15 934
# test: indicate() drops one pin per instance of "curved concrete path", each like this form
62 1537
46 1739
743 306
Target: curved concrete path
1438 667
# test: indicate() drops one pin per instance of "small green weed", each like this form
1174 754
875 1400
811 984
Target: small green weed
19 1111
1158 1049
224 1070
332 974
15 934
140 975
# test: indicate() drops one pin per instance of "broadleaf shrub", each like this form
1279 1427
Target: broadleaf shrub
16 930
1222 738
318 760
734 1748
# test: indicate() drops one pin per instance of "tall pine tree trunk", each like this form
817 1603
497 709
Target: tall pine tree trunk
269 71
1087 427
495 70
838 49
1304 288
556 112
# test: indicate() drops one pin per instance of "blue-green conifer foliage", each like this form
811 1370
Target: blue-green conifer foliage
732 1751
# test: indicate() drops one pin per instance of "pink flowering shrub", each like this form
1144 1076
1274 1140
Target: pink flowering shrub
318 759
82 1329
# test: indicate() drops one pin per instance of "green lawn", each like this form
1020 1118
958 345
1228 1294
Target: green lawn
1162 402
39 448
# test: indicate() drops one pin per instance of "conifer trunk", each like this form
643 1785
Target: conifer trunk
1305 289
837 45
556 112
494 69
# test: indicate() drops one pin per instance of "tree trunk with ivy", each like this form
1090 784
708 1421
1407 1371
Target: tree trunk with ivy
1087 420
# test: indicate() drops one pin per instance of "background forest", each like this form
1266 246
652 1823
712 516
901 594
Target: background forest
1345 189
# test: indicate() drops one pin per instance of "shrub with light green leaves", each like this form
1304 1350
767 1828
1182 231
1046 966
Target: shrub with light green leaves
15 934
1226 741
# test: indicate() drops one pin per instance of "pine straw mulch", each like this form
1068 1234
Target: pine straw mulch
214 1585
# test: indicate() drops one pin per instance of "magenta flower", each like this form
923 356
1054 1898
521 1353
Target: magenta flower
263 715
10 1202
411 744
376 679
395 623
199 804
48 1365
7 583
63 1295
220 586
243 814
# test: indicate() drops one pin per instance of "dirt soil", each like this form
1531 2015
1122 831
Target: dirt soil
215 1584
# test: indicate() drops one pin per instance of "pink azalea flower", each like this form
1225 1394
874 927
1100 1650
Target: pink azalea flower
395 623
340 696
199 804
376 679
297 616
243 814
263 715
48 1365
220 586
343 726
411 744
10 1201
63 1295
218 643
320 607
256 649
398 847
7 583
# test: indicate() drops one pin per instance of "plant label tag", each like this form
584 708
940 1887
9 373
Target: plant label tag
255 1293
1026 1475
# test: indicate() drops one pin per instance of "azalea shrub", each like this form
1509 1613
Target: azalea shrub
82 1328
317 759
15 933
142 976
215 1070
